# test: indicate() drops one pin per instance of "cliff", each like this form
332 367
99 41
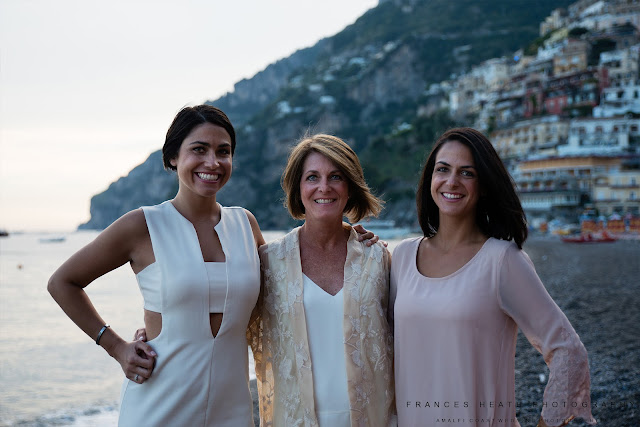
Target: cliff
369 84
145 185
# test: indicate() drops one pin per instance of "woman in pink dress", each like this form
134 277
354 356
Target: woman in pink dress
461 292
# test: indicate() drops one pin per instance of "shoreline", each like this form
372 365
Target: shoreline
596 285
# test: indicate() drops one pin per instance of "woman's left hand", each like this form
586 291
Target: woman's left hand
364 234
140 335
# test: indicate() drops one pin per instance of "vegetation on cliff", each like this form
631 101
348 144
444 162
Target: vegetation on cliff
368 84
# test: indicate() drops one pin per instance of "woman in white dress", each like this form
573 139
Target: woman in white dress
197 267
322 343
198 270
461 292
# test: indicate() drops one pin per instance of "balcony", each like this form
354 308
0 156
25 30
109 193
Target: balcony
624 186
608 200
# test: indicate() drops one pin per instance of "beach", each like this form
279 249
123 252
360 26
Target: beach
597 286
52 374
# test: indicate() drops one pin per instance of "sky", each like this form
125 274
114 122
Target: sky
88 89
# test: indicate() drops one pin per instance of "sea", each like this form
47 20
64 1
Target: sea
51 373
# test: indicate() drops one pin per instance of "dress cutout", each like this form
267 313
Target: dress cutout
198 380
455 341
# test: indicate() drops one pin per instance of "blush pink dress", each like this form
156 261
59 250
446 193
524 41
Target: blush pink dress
455 341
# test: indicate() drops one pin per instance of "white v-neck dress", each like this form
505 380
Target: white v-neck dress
324 315
198 380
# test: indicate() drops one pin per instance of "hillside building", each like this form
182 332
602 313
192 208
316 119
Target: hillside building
539 136
623 66
553 22
618 101
602 136
470 94
559 187
579 91
573 57
618 193
583 8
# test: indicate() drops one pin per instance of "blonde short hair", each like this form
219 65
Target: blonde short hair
362 202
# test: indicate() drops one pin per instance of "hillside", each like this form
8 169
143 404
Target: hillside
370 84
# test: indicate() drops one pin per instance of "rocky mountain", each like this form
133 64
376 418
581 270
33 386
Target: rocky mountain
145 185
373 84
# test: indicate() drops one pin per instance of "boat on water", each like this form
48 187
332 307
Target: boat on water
4 233
589 238
58 239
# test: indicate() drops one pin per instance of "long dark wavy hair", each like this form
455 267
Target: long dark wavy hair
499 213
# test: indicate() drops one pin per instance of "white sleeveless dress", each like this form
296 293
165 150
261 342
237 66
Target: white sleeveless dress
198 380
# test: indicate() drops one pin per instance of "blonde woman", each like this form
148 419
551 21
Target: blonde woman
322 343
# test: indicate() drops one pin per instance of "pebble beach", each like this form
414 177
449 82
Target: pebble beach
53 374
597 286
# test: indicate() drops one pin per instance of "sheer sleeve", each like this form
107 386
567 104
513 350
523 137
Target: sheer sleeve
524 298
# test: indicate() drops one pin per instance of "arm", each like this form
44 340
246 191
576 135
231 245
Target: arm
253 328
524 298
116 245
255 228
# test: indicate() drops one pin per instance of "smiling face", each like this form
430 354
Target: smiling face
204 160
324 189
454 183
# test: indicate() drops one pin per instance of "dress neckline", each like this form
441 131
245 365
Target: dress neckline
195 233
186 219
318 289
448 276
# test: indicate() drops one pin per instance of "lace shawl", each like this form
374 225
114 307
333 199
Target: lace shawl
278 337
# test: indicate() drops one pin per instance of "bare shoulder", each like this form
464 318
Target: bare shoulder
255 228
132 219
121 242
132 225
252 218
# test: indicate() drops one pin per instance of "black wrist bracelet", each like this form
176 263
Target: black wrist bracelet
104 328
